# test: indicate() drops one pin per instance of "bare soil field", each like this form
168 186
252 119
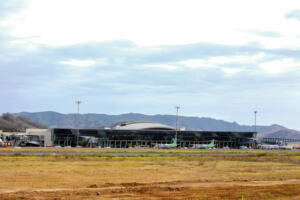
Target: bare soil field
257 175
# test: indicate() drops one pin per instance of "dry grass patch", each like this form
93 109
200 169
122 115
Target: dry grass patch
147 175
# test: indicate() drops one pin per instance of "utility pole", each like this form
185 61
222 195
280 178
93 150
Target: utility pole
255 112
77 121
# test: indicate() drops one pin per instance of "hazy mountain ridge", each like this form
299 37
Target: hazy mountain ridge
10 123
54 119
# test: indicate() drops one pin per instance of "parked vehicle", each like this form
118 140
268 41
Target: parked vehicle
2 144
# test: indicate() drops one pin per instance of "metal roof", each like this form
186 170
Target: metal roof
142 126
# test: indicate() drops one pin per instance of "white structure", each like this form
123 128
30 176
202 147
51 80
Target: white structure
295 145
41 132
142 126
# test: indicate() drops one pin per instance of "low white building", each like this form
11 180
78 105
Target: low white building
41 132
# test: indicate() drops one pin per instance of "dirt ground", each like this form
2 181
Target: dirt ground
289 189
68 177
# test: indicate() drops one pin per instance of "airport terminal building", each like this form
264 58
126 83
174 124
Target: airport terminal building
147 134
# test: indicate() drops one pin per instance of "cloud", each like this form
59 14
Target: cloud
124 63
10 7
231 71
295 14
160 66
120 74
196 63
279 66
264 33
117 62
78 63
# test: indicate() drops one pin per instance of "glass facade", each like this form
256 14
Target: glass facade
127 138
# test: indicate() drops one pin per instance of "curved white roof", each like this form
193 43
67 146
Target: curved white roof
142 126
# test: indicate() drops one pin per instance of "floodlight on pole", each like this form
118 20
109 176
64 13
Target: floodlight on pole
177 108
77 121
255 112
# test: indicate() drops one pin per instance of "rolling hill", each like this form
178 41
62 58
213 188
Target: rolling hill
54 119
10 123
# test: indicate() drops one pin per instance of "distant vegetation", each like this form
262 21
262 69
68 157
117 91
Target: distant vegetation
10 123
54 119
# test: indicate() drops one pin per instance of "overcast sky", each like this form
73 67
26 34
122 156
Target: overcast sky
219 59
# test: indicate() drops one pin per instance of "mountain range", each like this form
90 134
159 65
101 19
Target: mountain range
54 119
10 123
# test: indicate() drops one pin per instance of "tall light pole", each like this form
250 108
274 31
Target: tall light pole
77 121
255 112
177 108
